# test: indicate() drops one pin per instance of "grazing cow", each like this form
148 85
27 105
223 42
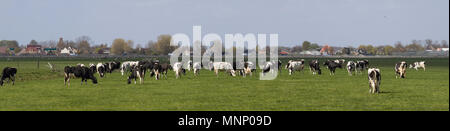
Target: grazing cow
351 67
293 66
269 67
126 66
374 80
331 65
93 68
164 69
9 73
136 73
222 66
314 67
249 67
101 69
79 72
362 65
111 66
197 66
156 71
400 69
417 65
178 68
189 65
340 61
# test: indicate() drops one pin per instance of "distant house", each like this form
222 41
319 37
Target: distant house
69 51
3 50
284 53
312 53
442 49
33 49
104 51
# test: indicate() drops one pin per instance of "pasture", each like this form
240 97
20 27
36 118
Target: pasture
41 89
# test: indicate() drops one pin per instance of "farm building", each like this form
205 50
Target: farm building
106 51
3 50
33 49
69 51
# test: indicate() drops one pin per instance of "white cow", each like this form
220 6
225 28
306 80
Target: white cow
222 66
374 80
127 66
293 66
178 69
417 65
248 68
197 66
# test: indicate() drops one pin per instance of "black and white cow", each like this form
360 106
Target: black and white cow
417 65
269 67
8 73
111 66
101 70
340 61
362 65
374 80
126 66
331 65
351 67
400 69
221 66
165 68
93 68
293 66
79 72
314 67
136 73
249 67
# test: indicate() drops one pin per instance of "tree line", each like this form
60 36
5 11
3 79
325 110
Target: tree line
161 46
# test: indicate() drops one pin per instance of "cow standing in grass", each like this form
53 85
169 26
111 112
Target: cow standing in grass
8 73
374 80
178 69
314 67
362 65
79 72
400 69
164 69
126 66
417 65
293 66
101 70
197 66
111 66
332 66
222 66
136 73
351 67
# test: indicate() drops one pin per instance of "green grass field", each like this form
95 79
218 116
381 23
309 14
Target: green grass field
40 89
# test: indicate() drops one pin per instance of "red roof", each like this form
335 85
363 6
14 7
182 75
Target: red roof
284 53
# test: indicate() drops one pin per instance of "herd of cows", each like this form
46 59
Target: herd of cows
137 70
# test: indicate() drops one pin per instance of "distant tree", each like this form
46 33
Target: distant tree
296 48
428 44
33 42
120 46
388 50
314 46
399 47
415 47
61 43
11 44
162 46
444 44
83 44
306 45
330 50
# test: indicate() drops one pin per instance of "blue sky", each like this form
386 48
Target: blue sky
333 22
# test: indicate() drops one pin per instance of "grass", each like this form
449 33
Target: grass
40 89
